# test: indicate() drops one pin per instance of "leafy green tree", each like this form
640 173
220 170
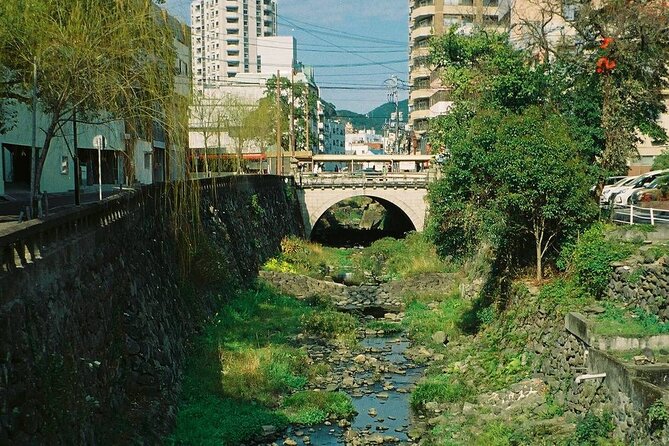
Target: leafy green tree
661 161
304 97
110 60
513 179
515 174
626 43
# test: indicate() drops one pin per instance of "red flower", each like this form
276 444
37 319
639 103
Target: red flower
606 42
605 65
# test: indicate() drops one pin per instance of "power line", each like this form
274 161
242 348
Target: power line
369 38
362 64
342 48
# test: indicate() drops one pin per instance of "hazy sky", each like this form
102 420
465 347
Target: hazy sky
370 37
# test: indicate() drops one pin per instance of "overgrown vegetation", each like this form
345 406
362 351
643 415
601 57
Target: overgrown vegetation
331 324
243 369
384 260
634 322
310 407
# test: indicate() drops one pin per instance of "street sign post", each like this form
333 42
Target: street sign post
99 142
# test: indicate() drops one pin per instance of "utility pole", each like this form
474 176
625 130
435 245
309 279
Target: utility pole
306 122
77 165
292 112
33 156
392 85
279 150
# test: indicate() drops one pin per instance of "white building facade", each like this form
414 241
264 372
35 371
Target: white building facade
226 37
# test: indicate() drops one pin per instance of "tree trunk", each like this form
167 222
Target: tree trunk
539 256
42 156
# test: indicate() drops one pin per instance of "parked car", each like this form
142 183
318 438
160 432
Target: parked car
656 190
622 197
608 191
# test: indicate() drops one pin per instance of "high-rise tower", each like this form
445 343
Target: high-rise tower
432 18
225 37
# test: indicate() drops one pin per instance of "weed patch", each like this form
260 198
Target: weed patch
330 324
385 326
617 321
441 388
311 407
240 367
422 320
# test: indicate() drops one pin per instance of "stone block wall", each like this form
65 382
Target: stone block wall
643 281
94 323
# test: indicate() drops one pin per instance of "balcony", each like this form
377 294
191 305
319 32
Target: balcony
423 93
422 12
419 72
435 79
422 32
422 51
420 114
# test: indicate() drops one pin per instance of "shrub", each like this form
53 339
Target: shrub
591 429
658 416
592 258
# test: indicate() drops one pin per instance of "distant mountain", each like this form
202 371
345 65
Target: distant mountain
375 118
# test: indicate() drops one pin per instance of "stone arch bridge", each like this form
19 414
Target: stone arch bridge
407 191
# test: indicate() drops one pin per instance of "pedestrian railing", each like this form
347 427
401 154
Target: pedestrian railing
364 179
631 214
24 243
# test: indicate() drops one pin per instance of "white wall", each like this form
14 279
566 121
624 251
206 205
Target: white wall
277 53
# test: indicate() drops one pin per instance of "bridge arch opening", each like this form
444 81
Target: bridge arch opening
360 220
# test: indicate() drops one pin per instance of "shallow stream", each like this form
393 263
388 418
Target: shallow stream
380 392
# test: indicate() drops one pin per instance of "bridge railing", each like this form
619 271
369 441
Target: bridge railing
365 179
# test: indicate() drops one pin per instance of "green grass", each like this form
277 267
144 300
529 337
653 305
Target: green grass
442 388
263 374
331 324
618 321
422 321
241 366
311 407
386 326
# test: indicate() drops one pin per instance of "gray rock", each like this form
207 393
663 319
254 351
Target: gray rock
439 337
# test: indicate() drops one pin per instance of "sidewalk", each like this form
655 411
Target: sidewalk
15 201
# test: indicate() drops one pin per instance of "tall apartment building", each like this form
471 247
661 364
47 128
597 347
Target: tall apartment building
432 18
225 37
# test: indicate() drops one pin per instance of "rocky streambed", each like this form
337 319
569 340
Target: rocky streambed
379 377
379 373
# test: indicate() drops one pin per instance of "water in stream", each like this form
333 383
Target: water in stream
380 396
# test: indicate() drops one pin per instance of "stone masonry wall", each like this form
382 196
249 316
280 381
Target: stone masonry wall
643 281
93 321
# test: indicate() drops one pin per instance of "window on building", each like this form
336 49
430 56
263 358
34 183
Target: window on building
147 161
450 20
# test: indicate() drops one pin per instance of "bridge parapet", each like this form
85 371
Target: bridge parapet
404 180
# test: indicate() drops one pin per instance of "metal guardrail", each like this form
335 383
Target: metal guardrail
630 214
418 180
